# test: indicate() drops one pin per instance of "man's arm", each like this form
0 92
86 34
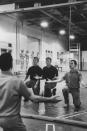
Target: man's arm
80 76
61 79
36 98
55 80
44 73
40 72
82 83
27 74
24 91
56 72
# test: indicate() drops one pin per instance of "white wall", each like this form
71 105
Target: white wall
30 44
52 43
8 33
23 41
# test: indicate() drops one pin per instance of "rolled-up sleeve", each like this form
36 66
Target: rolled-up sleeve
80 76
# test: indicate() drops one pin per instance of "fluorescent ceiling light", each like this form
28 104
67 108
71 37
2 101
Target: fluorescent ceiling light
72 37
62 32
44 24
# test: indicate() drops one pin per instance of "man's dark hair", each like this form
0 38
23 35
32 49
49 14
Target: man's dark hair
75 62
48 58
6 61
36 58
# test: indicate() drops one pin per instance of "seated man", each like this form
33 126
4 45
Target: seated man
34 72
49 73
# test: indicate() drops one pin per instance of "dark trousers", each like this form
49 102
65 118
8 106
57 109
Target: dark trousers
75 92
49 91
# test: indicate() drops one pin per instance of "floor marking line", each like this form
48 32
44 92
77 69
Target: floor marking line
70 114
76 114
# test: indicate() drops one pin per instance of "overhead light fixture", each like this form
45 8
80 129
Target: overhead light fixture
44 24
62 32
72 37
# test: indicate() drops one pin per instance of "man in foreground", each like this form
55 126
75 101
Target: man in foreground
11 91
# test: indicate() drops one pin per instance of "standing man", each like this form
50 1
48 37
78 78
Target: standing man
34 72
11 91
49 73
73 79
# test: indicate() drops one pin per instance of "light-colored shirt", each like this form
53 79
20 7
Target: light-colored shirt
73 79
11 91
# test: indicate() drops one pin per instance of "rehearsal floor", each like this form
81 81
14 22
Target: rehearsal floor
52 110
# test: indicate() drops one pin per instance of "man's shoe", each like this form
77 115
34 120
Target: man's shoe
77 108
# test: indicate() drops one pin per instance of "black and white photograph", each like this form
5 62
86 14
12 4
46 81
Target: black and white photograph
43 65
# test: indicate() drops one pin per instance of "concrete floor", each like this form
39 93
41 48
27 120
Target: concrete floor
56 111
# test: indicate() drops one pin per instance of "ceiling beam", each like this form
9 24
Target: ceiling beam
82 22
51 16
60 21
24 1
14 1
45 7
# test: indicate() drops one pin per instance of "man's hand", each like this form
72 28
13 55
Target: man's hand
54 99
38 77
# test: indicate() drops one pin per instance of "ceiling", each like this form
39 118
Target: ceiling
43 2
60 14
